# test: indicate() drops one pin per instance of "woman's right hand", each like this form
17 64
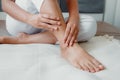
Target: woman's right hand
44 21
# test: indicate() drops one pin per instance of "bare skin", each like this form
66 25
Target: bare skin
77 56
74 54
23 38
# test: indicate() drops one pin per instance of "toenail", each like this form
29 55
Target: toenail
101 67
93 71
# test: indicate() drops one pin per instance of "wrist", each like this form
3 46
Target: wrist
74 17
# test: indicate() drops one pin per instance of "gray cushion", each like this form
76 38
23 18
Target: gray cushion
86 6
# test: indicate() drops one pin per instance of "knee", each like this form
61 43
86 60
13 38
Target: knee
88 28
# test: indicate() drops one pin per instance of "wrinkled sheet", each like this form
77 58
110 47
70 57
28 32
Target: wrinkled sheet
44 62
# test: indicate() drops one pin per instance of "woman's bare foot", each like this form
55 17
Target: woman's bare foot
1 40
81 59
23 38
23 35
9 40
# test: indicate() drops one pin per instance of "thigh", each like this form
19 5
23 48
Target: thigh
15 27
88 28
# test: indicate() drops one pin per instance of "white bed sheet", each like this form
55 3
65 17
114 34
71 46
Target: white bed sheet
43 61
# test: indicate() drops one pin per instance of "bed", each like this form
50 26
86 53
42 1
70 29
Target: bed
44 62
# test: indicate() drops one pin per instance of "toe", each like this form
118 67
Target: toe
98 64
96 67
101 67
92 67
78 66
85 68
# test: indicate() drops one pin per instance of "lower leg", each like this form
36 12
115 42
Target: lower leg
75 54
22 38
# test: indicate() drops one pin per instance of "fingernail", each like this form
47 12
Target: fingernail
59 23
58 18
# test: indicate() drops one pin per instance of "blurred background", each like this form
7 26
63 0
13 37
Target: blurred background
102 10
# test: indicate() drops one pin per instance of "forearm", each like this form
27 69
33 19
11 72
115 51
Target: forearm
73 7
15 11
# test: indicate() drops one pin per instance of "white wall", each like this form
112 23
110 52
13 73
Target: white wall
109 11
112 12
2 16
117 15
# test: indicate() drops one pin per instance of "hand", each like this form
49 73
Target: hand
71 32
44 21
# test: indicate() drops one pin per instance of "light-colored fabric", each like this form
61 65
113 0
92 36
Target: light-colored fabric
88 28
43 61
14 26
88 25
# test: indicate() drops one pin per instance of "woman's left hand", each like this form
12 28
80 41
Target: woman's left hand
72 31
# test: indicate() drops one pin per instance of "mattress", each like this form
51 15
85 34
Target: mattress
44 62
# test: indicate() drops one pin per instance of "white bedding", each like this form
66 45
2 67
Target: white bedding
43 61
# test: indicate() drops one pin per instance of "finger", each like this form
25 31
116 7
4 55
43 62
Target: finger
49 21
68 41
50 17
67 33
71 34
46 26
76 37
73 39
